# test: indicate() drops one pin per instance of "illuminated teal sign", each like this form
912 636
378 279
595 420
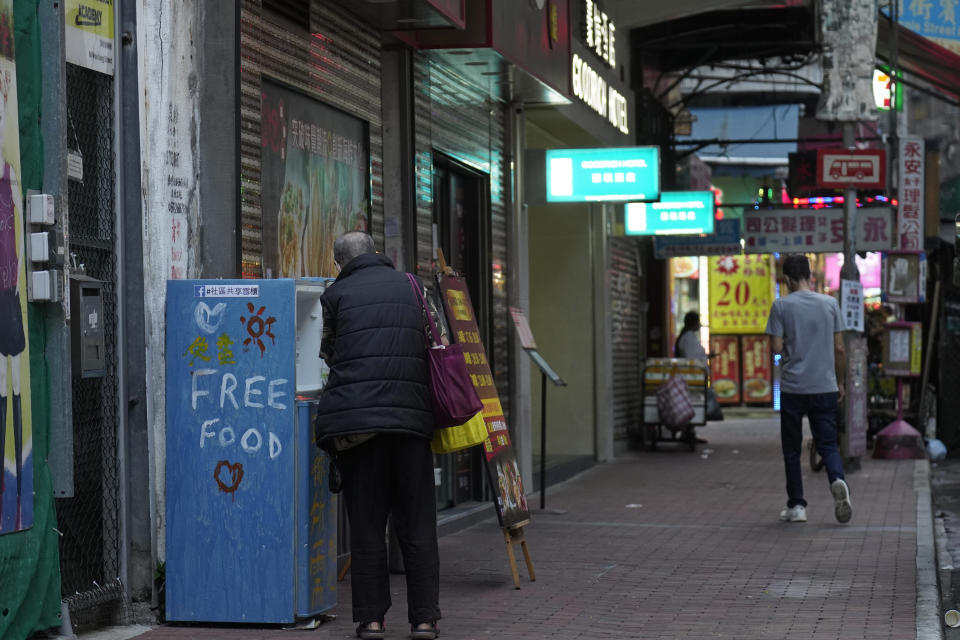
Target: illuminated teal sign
677 213
619 174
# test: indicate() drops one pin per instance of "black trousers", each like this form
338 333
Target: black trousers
392 475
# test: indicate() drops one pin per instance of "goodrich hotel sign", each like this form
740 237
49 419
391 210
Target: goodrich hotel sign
599 34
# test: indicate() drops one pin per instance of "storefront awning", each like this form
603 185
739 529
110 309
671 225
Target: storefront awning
401 15
920 57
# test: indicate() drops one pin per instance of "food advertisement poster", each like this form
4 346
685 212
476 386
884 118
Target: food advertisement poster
315 181
757 369
16 424
725 368
741 292
500 458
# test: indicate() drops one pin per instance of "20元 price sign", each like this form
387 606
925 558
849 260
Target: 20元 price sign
741 292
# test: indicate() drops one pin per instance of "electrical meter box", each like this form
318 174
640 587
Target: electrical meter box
87 336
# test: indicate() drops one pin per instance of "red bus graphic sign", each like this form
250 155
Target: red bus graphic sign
859 169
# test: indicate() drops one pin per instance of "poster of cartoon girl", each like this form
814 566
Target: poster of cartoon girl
16 479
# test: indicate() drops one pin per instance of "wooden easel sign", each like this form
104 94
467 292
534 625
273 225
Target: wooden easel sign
499 456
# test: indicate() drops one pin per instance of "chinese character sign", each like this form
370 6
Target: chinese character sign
725 368
910 218
851 305
741 292
757 369
933 19
500 458
810 230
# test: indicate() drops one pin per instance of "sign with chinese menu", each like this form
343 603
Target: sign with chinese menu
315 181
725 368
501 460
724 241
856 168
757 369
904 276
621 174
902 348
677 213
851 305
910 218
810 230
741 292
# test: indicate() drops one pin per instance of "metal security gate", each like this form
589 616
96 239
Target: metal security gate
462 121
625 342
89 521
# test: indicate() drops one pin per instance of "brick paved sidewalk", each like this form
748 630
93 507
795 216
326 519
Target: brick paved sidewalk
673 544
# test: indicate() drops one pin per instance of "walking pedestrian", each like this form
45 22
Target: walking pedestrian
375 419
807 330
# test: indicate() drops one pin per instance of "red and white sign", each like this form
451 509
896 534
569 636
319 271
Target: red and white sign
910 218
859 169
814 230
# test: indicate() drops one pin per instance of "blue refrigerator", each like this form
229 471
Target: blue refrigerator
251 525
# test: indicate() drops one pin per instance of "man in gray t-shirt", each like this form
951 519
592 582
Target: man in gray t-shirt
807 330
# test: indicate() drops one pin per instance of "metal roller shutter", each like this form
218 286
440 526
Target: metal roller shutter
338 63
625 331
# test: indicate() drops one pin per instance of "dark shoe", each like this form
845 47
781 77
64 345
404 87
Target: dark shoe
370 631
424 631
699 440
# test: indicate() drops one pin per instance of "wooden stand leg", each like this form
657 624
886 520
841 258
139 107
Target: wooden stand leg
513 561
515 536
526 556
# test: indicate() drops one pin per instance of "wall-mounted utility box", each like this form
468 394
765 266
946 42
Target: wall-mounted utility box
41 208
87 335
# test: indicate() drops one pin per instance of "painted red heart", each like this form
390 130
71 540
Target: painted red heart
228 476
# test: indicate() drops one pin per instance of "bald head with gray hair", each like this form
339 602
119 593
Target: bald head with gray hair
350 245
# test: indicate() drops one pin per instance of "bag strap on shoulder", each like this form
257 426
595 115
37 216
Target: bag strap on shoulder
414 283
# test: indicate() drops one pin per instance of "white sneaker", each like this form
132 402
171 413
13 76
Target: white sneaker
794 514
841 500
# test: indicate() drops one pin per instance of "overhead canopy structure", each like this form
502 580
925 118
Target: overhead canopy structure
714 36
919 57
631 14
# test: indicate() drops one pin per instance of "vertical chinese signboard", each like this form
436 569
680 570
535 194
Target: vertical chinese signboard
315 181
910 223
725 368
741 292
501 460
230 455
757 369
16 423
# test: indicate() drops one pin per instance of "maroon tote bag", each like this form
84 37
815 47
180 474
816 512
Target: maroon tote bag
454 399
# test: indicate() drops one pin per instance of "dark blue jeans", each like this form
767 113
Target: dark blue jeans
821 410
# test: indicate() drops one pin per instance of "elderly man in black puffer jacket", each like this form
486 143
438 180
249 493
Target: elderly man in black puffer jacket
375 418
